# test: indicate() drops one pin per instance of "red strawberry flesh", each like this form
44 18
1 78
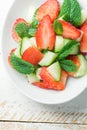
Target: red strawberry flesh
69 31
32 55
49 82
83 44
51 8
45 35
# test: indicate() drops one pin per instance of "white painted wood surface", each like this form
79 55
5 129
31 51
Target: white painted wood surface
35 126
14 106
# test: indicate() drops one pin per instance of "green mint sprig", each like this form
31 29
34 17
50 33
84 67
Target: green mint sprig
58 27
32 32
35 22
67 49
68 65
21 65
22 30
71 12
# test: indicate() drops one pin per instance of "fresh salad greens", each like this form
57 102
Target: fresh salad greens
49 50
21 65
71 12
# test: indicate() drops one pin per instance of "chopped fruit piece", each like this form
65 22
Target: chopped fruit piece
38 73
55 70
41 85
76 61
69 31
10 55
83 44
49 82
45 35
32 78
48 58
51 8
32 55
14 34
82 70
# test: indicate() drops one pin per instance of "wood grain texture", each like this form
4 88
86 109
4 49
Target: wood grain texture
33 112
39 126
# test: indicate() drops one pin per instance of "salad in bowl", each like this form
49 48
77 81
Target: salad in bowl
51 49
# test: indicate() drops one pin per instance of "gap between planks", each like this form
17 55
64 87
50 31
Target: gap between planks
39 126
35 122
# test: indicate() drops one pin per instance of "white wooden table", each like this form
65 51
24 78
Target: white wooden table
17 112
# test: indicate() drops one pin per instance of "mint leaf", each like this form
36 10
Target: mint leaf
75 13
58 27
22 30
67 49
68 65
34 16
35 23
71 12
21 65
65 10
32 32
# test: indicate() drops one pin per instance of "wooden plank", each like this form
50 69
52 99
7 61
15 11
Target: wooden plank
31 111
39 126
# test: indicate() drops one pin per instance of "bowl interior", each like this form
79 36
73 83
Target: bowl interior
74 86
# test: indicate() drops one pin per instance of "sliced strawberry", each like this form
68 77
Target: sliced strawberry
51 8
83 44
49 82
41 85
69 31
10 55
32 55
76 61
45 35
14 34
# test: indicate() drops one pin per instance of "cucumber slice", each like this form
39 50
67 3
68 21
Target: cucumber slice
83 15
83 67
48 58
17 51
38 73
75 50
26 43
55 71
59 43
32 78
79 39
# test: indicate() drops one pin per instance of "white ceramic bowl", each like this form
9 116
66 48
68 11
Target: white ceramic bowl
74 86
